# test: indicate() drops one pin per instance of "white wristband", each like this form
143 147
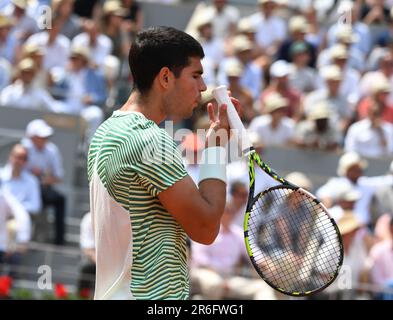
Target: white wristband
213 165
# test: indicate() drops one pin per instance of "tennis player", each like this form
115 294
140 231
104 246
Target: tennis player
143 202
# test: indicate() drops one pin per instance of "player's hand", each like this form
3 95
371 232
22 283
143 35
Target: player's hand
219 131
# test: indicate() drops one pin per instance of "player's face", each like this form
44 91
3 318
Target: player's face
186 94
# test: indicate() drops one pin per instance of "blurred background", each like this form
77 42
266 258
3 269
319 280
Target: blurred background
315 79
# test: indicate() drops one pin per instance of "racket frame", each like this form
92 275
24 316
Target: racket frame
253 157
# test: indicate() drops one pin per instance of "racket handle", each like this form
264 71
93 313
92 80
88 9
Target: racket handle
221 95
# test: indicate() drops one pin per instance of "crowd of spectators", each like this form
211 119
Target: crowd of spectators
312 75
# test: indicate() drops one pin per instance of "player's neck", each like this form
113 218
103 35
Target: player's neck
146 105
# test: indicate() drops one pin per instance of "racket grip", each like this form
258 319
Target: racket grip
221 95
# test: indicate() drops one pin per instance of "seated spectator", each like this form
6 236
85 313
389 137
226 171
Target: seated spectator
347 38
18 181
270 28
370 137
213 47
84 90
381 254
360 29
72 24
340 110
113 26
99 45
25 25
23 93
8 44
36 53
11 208
45 163
318 131
252 73
225 17
298 28
350 77
279 83
86 281
274 127
383 69
380 89
55 45
302 77
350 172
215 268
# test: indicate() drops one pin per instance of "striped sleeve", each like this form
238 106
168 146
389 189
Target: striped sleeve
161 164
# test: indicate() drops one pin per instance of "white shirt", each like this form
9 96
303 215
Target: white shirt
10 207
57 54
76 92
214 49
223 20
25 188
17 95
102 48
268 30
86 232
279 136
365 140
48 160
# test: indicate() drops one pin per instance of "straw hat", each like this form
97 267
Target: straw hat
242 43
298 24
274 101
381 84
348 160
331 72
348 222
6 21
26 64
300 180
345 34
245 25
319 111
338 51
80 51
114 7
234 69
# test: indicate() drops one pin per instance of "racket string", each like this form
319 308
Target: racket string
294 244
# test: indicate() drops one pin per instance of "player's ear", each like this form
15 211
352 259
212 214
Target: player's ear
165 77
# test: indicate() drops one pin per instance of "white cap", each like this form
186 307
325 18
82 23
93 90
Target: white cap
279 69
38 128
348 160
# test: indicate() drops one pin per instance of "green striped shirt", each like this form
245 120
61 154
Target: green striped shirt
135 161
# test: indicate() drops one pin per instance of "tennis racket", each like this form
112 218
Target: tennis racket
293 243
